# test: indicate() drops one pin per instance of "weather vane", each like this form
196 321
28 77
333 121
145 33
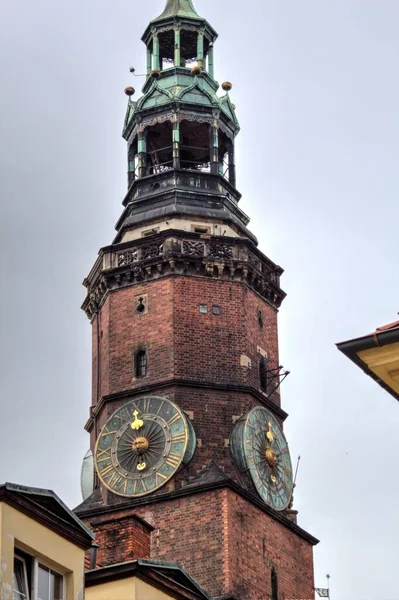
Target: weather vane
324 592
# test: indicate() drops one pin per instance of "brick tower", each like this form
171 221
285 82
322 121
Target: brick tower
186 420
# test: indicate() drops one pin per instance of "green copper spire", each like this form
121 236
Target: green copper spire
178 8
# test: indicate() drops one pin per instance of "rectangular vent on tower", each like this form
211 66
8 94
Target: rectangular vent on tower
150 232
201 230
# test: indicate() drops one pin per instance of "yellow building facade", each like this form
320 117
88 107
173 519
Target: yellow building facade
42 546
44 550
142 580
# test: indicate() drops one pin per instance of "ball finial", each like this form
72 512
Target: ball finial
227 86
129 91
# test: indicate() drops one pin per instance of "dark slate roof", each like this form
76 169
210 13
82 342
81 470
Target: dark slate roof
169 577
48 509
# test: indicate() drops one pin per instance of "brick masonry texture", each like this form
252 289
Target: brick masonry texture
230 546
225 542
181 342
120 537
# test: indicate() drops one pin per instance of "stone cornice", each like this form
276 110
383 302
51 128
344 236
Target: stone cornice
148 388
207 487
177 253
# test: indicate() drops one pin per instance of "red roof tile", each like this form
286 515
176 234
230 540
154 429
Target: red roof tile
393 325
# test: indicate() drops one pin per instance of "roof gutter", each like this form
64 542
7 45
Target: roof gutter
351 348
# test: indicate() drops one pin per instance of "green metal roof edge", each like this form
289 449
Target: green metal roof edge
178 8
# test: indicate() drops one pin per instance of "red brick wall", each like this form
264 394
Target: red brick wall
121 538
101 330
123 331
208 347
230 546
257 543
182 342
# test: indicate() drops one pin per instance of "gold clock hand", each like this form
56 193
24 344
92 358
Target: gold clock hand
137 423
269 434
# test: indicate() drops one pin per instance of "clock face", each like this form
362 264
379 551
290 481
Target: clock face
259 447
142 446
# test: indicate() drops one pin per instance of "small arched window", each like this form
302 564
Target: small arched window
263 374
260 319
274 584
141 364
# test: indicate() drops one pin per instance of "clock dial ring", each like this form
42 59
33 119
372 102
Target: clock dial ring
142 445
259 448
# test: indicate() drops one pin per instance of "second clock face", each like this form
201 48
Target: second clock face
142 446
259 446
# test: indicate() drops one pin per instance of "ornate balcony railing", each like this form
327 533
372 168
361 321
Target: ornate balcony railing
178 253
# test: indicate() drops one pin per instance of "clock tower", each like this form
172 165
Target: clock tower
186 422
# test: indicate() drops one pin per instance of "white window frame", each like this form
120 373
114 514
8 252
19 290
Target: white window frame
25 572
33 592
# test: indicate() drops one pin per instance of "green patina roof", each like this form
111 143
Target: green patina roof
178 8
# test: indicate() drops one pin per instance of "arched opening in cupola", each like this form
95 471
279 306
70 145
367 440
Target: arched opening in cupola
179 47
226 164
159 148
188 47
194 146
133 162
167 49
187 144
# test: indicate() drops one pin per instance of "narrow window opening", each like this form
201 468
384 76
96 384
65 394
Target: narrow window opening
260 319
263 374
274 584
141 364
141 306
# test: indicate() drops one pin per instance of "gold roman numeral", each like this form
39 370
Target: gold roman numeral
179 437
103 455
162 479
174 419
173 461
107 470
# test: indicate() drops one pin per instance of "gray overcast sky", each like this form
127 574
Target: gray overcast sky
317 94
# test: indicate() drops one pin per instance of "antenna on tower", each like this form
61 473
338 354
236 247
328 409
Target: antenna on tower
294 484
296 471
